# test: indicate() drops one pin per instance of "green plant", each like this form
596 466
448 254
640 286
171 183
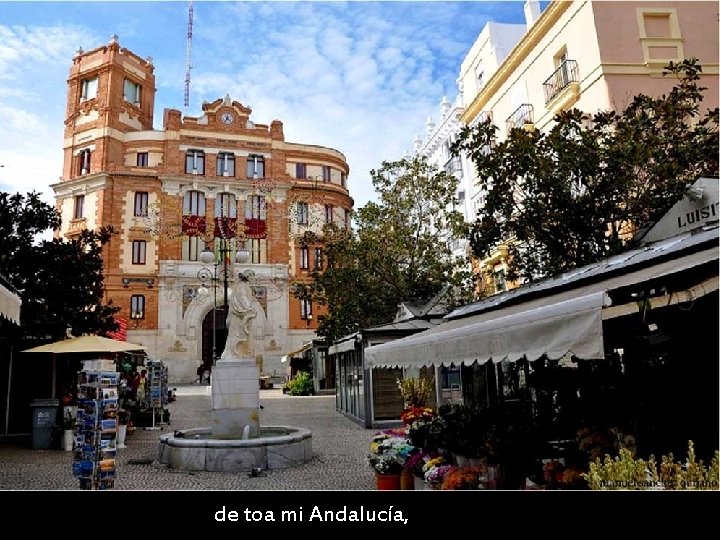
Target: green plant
471 432
300 385
428 435
626 472
415 392
603 176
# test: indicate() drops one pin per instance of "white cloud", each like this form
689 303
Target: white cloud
360 77
32 60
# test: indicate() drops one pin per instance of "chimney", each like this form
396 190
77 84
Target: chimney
532 12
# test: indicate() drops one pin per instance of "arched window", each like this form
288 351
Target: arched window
193 224
225 205
194 203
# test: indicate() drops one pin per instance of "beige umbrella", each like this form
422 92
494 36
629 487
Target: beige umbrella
87 344
84 344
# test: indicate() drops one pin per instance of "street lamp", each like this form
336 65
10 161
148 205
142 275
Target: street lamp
207 256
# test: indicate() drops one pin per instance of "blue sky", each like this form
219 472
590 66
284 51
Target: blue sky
361 77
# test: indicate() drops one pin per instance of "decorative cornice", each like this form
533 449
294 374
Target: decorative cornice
451 125
80 185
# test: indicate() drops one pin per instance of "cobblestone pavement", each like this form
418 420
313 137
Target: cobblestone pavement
340 448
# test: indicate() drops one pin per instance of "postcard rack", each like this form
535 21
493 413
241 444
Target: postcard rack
94 448
157 394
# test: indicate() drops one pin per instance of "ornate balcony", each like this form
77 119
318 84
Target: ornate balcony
453 165
522 117
566 75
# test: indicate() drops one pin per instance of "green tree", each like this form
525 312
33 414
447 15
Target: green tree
60 282
584 190
398 250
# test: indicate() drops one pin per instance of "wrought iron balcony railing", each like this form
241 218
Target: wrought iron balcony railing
566 73
522 116
453 165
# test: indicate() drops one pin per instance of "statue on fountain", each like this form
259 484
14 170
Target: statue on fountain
239 320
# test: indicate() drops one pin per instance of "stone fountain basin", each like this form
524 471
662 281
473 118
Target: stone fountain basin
276 447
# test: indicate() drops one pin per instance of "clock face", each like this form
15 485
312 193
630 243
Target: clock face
227 118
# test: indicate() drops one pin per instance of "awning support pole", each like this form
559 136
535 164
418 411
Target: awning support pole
7 399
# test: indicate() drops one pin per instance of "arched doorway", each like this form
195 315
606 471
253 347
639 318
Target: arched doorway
214 335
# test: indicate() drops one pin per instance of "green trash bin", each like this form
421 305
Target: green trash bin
44 420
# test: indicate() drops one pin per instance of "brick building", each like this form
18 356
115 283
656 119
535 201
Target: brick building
217 181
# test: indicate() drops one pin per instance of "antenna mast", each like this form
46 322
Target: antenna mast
188 55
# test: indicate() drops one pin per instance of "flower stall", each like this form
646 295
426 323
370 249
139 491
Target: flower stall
389 450
611 356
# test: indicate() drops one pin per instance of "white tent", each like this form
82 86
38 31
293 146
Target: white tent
553 317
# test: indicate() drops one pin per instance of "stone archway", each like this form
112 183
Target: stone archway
213 335
199 314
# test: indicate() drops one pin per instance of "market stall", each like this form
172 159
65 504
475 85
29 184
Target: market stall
597 359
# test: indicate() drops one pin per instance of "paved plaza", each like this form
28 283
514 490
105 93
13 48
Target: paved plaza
340 447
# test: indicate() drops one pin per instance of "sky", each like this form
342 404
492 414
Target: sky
360 77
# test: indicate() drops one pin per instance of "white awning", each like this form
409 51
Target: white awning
287 356
570 326
569 321
347 344
10 305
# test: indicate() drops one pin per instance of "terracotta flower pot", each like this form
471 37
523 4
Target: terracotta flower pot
407 481
386 482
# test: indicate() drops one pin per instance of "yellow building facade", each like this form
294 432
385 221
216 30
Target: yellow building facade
589 55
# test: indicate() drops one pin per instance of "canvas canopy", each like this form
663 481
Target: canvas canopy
9 305
86 344
565 319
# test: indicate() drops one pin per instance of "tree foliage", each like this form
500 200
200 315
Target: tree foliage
60 282
398 250
584 189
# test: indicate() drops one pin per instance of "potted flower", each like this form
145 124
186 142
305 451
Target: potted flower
415 392
470 434
466 478
387 471
414 466
428 433
436 474
388 452
411 415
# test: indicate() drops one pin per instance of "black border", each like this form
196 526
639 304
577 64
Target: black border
558 513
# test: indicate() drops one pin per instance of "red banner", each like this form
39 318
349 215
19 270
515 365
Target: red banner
225 227
194 225
121 334
255 228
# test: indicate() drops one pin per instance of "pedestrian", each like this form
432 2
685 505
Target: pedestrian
134 383
206 375
200 373
142 384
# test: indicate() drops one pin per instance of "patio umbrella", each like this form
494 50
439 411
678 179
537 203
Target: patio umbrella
83 344
87 344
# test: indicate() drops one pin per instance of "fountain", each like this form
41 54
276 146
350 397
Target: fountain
236 442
